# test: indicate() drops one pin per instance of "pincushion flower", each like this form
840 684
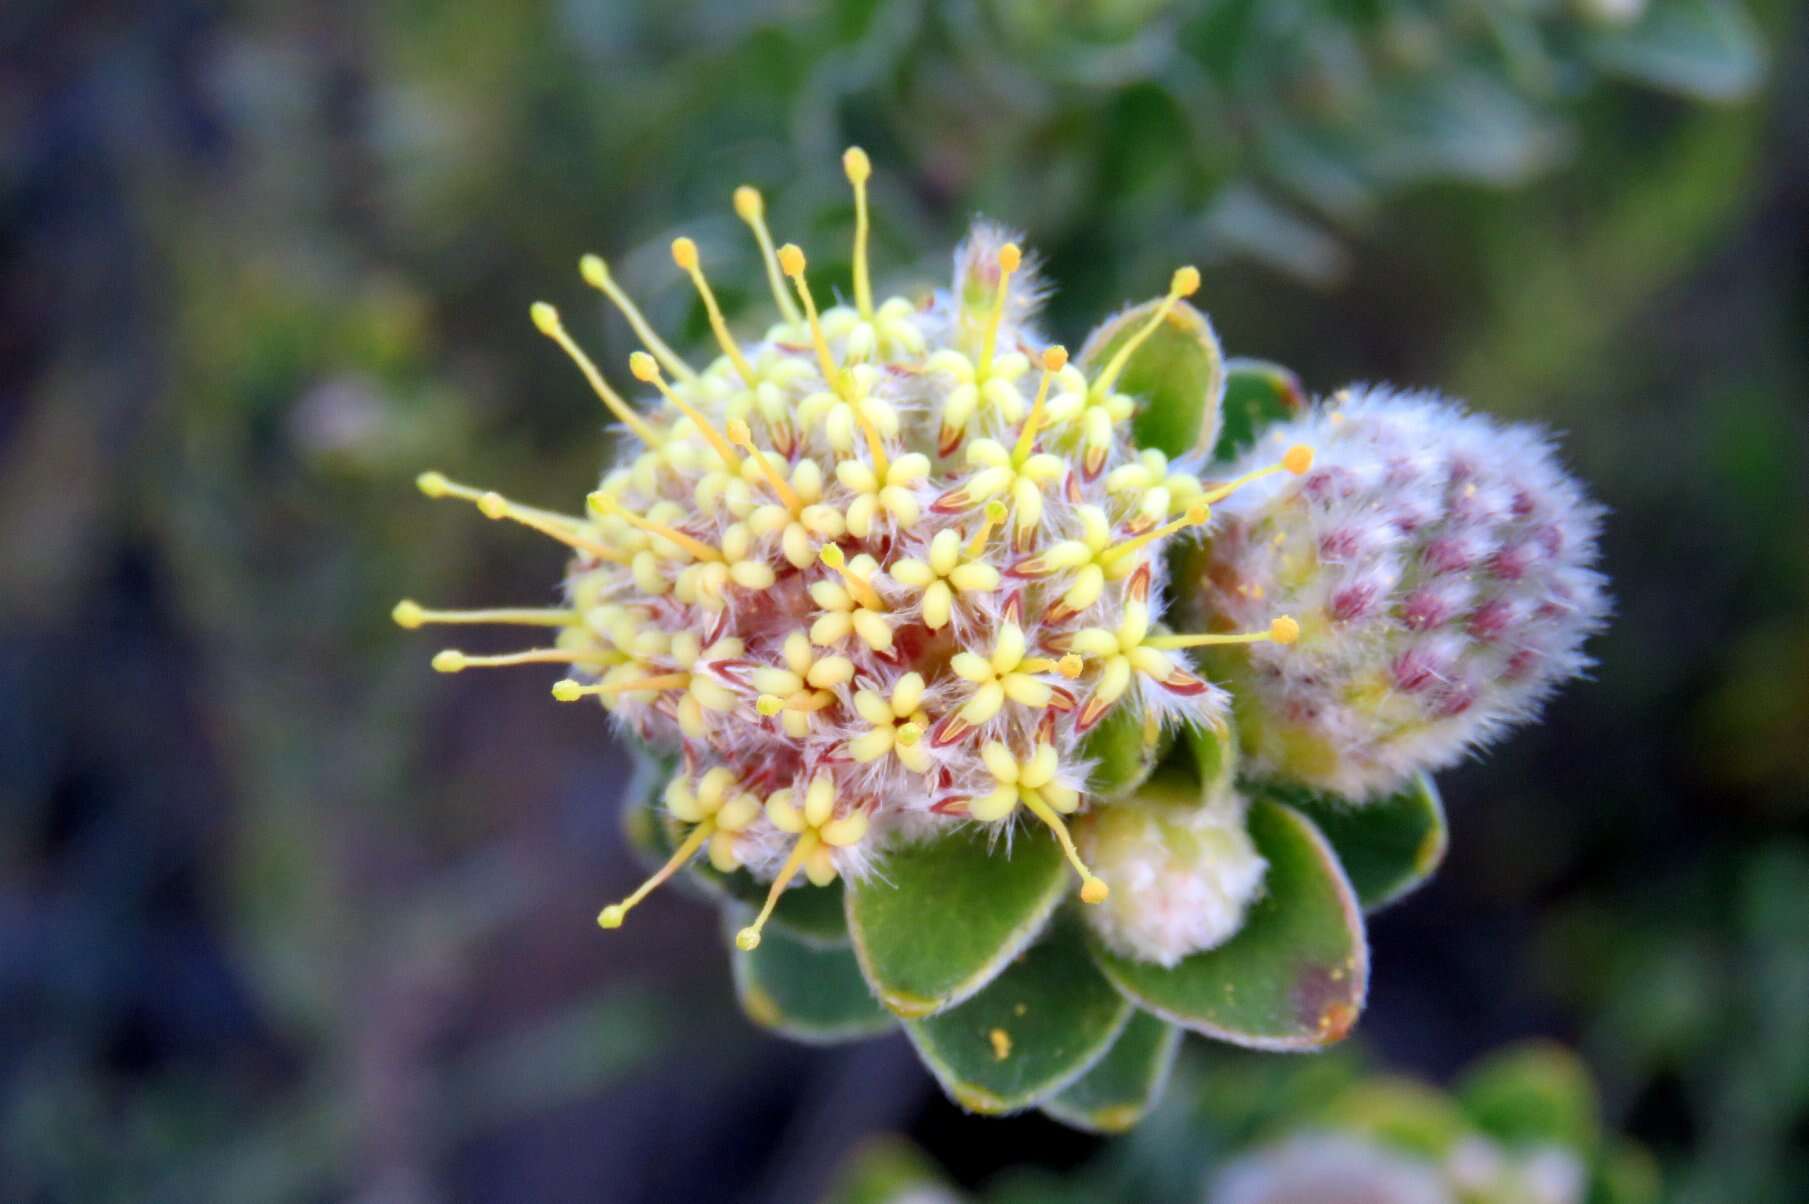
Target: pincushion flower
896 573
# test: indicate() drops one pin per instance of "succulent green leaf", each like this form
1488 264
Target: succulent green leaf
1293 977
1125 1083
942 918
1033 1030
1389 847
1537 1092
1257 393
808 994
1123 754
1178 373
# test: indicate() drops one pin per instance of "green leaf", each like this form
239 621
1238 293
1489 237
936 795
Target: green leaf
1036 1028
1124 1084
1214 756
808 994
1388 847
1537 1092
1178 373
1123 754
1707 49
942 918
1293 977
1257 393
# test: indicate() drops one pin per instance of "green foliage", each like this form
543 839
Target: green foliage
950 914
802 991
1124 1084
1036 1027
1388 847
1177 373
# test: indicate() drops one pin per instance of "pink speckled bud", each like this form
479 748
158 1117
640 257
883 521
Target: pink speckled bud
1441 567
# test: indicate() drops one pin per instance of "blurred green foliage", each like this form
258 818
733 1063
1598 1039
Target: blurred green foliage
286 915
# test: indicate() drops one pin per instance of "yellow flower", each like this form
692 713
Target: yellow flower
898 725
802 687
704 695
996 392
843 419
1123 652
1005 673
1154 492
851 606
1032 783
882 490
942 574
1095 559
1018 475
713 805
819 834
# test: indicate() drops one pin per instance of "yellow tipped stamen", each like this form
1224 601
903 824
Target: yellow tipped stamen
647 370
1070 666
1092 889
562 527
451 660
1009 259
613 915
546 319
1185 283
750 207
596 274
1196 514
1054 360
1297 460
1283 630
857 585
567 690
742 437
994 515
684 254
494 505
858 168
606 504
806 703
749 938
908 734
875 445
409 613
792 262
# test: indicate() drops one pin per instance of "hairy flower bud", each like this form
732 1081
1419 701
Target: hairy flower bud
1440 566
1182 873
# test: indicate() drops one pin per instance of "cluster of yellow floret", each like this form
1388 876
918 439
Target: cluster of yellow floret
879 572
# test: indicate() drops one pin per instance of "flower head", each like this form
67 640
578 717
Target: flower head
1441 569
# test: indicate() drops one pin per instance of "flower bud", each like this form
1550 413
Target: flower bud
1441 567
1182 874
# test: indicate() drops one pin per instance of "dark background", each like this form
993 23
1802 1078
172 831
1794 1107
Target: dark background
286 915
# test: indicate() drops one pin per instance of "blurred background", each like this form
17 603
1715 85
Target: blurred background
285 915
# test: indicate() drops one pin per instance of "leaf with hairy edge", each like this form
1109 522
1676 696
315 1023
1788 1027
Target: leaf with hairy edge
1124 1084
1257 393
942 918
1036 1028
807 994
1389 847
1123 754
1178 374
1293 977
1214 751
